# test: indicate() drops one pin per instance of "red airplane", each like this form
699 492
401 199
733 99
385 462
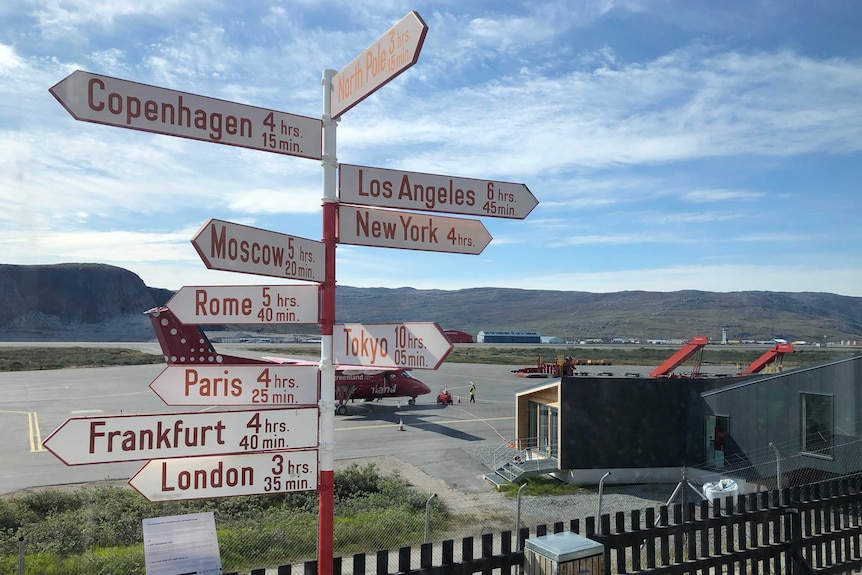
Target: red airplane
186 343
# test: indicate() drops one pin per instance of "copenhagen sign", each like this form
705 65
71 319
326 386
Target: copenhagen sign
104 100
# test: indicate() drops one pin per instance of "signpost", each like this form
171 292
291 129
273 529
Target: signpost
276 304
104 100
237 248
418 345
234 475
409 230
230 453
115 438
392 53
257 385
432 193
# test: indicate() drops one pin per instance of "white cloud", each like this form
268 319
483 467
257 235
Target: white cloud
9 59
638 150
706 196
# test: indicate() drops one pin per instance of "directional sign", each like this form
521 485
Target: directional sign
247 384
113 438
420 345
103 100
391 54
206 305
247 474
432 193
237 248
410 231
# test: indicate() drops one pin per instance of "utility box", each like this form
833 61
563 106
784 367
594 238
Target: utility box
565 553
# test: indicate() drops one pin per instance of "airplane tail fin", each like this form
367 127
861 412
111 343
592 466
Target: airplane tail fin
184 344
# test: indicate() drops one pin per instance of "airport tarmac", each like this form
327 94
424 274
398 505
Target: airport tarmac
426 435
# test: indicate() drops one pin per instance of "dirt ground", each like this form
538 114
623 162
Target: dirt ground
454 499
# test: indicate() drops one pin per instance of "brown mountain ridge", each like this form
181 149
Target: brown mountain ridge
98 302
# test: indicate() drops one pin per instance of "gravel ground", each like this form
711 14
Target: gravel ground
492 511
548 509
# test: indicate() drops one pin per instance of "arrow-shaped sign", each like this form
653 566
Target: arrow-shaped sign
411 231
433 193
104 100
265 304
237 248
391 54
247 384
114 438
418 345
247 474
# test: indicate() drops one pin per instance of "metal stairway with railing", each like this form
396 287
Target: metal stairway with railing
512 464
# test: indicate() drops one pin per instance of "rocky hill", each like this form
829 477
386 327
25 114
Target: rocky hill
641 315
96 302
73 302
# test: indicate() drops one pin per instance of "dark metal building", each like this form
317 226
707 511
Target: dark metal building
792 426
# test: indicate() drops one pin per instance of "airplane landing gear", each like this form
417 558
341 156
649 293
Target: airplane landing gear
341 409
411 401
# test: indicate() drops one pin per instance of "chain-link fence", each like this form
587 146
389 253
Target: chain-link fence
289 535
457 515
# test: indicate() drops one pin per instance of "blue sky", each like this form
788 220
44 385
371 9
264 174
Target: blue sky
672 144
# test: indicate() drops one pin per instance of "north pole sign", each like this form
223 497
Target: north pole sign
115 438
412 345
392 53
113 102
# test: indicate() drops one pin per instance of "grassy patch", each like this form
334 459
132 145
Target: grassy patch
541 485
36 358
98 529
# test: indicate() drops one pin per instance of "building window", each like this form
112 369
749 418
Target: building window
817 424
543 425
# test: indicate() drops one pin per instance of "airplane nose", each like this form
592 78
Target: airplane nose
421 389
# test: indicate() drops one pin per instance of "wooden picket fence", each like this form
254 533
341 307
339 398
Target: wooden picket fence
802 530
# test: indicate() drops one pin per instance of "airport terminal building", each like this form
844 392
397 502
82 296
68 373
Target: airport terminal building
509 337
655 429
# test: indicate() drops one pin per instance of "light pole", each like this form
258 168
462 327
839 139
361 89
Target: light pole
599 505
518 519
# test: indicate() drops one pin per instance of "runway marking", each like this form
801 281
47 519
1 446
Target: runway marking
34 432
34 435
424 423
485 421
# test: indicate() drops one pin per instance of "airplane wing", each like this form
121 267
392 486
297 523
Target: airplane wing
289 360
338 367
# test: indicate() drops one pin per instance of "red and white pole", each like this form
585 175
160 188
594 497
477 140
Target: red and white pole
326 448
